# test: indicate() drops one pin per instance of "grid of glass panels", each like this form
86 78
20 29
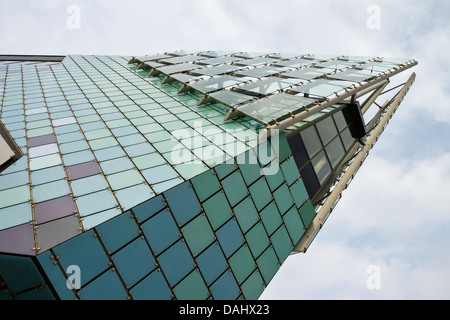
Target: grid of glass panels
320 146
264 74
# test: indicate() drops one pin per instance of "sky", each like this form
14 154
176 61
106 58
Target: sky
388 237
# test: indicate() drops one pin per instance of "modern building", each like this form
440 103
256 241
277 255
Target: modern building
180 175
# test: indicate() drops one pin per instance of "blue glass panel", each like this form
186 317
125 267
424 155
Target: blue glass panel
85 252
95 202
105 287
88 185
13 180
148 208
19 273
211 263
183 202
118 231
230 237
161 231
131 196
159 174
225 288
176 262
134 261
153 287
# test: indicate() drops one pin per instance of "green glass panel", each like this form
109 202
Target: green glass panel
307 213
198 234
205 184
14 196
248 164
257 239
242 263
246 214
45 161
116 165
299 193
268 264
192 288
125 179
234 188
103 143
271 218
149 160
282 243
283 198
294 224
253 286
290 170
260 193
217 210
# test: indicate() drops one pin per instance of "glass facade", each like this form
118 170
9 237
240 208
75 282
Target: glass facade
132 170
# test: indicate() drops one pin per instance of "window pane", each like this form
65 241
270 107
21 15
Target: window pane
335 151
327 130
321 166
311 140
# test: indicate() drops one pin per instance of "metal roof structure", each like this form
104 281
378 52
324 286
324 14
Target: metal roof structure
178 158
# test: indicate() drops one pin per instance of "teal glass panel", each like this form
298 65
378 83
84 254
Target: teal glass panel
117 232
147 161
131 139
271 218
211 263
20 273
246 214
74 146
225 169
225 288
166 185
191 288
248 164
217 210
84 251
134 261
148 208
268 264
95 202
260 193
257 239
234 187
183 202
253 286
198 234
242 264
105 287
93 220
176 262
275 180
230 237
161 231
109 153
282 243
78 157
153 287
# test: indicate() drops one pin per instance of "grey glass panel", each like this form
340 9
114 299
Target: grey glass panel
311 140
340 120
63 121
335 151
214 84
327 130
212 71
182 77
230 98
305 73
178 68
19 239
347 138
154 57
41 140
321 166
267 86
259 72
354 75
256 61
82 170
275 106
294 63
335 64
54 209
220 60
322 87
55 232
182 59
376 66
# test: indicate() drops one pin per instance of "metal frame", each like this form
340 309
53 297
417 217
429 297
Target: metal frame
356 161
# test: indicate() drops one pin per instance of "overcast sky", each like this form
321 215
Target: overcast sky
393 221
